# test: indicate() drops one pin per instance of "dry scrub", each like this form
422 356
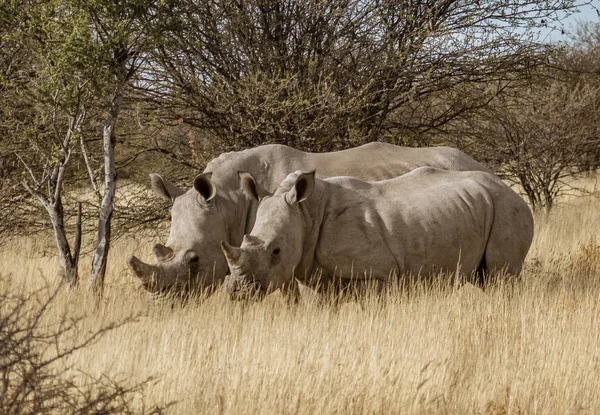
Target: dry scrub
528 347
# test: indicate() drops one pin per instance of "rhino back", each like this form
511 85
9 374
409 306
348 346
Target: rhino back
270 164
380 161
420 222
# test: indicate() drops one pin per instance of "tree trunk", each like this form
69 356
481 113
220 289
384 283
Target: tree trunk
109 138
52 202
68 260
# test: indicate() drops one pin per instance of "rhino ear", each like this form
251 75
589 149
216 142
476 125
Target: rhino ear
205 186
250 188
164 188
302 189
232 254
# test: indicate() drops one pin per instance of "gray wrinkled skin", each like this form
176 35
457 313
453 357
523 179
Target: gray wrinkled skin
345 229
216 209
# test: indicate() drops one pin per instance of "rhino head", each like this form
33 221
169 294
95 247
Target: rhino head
191 260
269 255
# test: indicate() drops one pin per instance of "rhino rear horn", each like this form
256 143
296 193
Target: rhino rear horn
162 252
164 188
232 254
251 240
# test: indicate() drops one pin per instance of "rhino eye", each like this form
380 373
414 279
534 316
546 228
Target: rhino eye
276 251
191 258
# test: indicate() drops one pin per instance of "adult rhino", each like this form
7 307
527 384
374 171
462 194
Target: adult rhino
215 209
344 229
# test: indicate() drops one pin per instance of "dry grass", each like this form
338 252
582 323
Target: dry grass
529 347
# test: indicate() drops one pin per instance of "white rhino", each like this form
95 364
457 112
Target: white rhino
344 229
215 209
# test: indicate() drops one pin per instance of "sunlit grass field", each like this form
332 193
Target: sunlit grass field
527 347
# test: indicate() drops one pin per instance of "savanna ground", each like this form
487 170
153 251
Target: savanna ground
526 347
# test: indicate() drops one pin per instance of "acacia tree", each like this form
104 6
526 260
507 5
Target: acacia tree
111 22
123 31
325 75
79 57
46 91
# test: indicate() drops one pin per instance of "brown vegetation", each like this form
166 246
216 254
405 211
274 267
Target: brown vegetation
187 79
36 342
526 347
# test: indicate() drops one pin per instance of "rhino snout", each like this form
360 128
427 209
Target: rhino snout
240 289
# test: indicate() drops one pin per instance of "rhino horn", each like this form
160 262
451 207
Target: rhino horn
231 253
251 240
141 270
162 252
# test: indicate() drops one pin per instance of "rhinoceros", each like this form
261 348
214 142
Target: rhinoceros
426 221
215 209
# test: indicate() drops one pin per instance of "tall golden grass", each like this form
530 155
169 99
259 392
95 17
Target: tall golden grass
526 347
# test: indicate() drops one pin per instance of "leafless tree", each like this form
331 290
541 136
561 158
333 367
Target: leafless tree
34 377
546 129
327 75
47 188
539 138
582 60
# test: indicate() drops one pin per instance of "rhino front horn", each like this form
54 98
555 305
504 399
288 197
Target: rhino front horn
231 253
141 270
